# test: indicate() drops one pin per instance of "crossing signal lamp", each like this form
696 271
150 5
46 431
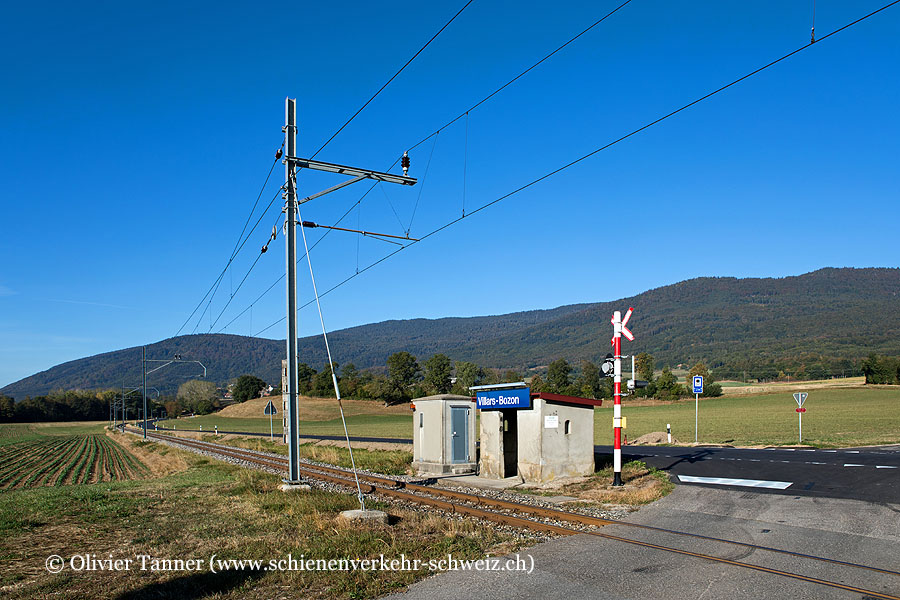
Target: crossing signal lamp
634 384
608 366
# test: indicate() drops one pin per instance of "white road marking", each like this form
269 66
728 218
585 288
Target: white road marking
829 450
884 467
812 462
852 451
757 483
852 465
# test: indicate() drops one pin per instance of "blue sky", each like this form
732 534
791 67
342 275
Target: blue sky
136 137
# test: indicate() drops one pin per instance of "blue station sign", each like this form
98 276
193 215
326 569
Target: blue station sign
497 399
698 384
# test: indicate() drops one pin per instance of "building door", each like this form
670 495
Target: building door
459 423
510 443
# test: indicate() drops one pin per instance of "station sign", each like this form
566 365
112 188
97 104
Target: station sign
698 384
499 399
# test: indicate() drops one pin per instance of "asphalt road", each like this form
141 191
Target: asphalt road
585 566
871 474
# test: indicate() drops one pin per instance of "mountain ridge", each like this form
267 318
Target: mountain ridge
831 317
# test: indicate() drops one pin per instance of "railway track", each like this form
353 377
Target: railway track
544 519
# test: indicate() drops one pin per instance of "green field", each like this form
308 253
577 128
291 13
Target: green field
214 508
58 454
835 417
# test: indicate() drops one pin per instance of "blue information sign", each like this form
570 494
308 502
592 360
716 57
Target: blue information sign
698 384
497 399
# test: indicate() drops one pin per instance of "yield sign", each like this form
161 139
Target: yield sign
800 397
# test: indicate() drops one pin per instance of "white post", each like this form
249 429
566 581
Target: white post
217 429
696 416
669 432
800 414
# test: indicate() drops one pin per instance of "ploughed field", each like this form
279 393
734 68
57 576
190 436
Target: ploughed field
31 457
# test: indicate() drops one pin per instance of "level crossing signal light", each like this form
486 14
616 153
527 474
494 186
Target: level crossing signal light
608 367
634 384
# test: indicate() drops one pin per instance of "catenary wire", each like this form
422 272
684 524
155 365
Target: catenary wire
589 154
234 252
448 124
394 76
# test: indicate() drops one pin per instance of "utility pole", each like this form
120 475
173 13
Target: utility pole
291 163
619 328
293 413
144 385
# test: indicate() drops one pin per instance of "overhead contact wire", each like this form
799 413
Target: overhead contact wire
592 153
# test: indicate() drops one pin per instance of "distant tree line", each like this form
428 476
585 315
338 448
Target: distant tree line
881 369
407 379
58 405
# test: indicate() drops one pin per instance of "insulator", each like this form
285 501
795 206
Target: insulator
309 224
404 162
278 154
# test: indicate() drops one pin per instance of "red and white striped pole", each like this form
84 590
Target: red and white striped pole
618 329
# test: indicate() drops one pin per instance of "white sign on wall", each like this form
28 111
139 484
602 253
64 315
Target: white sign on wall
551 421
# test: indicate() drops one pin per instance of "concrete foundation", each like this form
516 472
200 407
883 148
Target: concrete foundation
294 487
367 516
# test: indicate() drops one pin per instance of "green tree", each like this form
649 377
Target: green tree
197 396
588 382
645 366
467 375
402 372
7 408
305 375
350 381
667 386
511 376
322 384
247 387
558 375
537 384
438 370
490 376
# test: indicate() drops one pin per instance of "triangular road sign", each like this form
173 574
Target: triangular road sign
270 409
800 397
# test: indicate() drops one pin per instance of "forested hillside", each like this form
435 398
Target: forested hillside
820 323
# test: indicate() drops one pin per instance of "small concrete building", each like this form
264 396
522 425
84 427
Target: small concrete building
444 434
553 438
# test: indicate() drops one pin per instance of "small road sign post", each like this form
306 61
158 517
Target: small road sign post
800 397
271 411
698 389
